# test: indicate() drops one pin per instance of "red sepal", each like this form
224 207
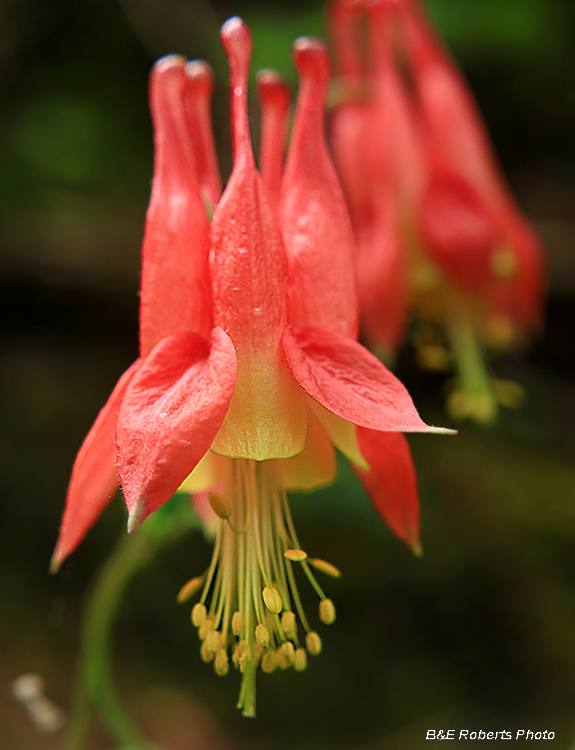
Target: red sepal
382 278
521 297
391 482
346 379
94 479
458 229
170 415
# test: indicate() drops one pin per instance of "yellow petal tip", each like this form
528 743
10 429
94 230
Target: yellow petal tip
416 548
136 516
441 431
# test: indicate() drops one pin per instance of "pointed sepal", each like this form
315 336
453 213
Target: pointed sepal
458 229
343 377
391 483
170 415
94 480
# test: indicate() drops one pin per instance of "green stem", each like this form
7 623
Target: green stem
476 385
94 689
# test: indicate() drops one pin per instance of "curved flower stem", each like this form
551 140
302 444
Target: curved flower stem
94 691
475 398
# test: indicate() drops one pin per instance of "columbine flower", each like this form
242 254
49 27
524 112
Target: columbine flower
249 371
436 226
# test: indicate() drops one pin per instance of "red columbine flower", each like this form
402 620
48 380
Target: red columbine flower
375 169
425 178
249 371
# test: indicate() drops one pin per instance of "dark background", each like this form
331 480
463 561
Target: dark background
479 633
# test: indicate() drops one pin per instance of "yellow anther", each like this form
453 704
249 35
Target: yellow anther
288 652
504 263
236 653
206 654
300 660
189 589
433 357
221 662
262 635
327 611
289 624
313 643
325 567
458 405
238 622
272 600
499 332
484 409
269 662
295 555
245 656
213 640
199 614
425 277
282 658
205 628
508 393
220 505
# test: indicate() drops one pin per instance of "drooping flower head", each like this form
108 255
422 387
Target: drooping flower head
250 372
437 229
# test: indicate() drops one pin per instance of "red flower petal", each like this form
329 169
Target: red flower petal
459 141
315 223
348 124
391 483
394 149
175 293
170 415
274 97
346 379
458 229
197 100
94 479
382 277
344 21
450 117
267 417
520 297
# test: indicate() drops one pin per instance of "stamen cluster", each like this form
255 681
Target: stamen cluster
250 612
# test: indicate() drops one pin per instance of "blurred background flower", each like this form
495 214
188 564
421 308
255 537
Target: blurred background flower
478 634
